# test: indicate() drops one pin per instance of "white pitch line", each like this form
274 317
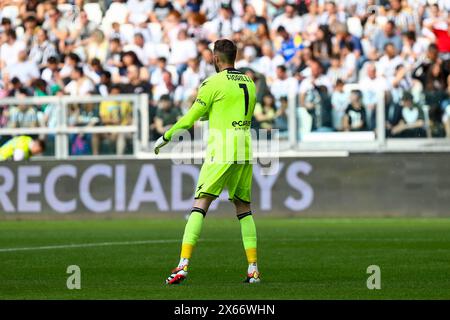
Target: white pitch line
86 245
298 240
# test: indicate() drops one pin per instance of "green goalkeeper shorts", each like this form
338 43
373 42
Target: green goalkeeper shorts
236 177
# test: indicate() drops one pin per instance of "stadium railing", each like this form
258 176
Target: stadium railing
139 129
293 145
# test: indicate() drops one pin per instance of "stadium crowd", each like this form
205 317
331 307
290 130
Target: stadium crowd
303 51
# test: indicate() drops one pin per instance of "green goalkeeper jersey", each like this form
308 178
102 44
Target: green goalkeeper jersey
18 148
227 100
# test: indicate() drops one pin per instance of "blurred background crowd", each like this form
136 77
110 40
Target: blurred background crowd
297 51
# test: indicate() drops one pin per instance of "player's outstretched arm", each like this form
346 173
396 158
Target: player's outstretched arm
199 109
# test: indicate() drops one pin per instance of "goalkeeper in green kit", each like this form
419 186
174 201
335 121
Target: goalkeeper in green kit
227 100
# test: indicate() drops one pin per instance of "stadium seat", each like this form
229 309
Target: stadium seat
117 12
65 9
354 26
94 12
19 32
127 30
155 31
381 20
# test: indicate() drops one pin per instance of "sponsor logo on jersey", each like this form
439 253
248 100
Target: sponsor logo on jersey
240 123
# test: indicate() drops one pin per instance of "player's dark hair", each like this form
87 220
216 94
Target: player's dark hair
226 49
42 144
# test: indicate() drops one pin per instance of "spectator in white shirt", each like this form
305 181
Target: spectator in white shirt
51 73
389 61
370 85
42 49
284 85
165 86
224 25
411 49
207 63
9 51
156 77
82 28
71 61
339 103
269 62
311 21
335 71
249 59
145 52
30 30
349 63
289 20
315 79
56 25
80 85
25 70
138 11
183 49
332 14
190 80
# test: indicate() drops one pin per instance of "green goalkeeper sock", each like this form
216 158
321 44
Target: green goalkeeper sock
248 231
192 232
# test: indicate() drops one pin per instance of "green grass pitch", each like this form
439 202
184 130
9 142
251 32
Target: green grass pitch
298 258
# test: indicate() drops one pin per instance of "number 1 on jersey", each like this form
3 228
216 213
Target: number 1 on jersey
243 86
